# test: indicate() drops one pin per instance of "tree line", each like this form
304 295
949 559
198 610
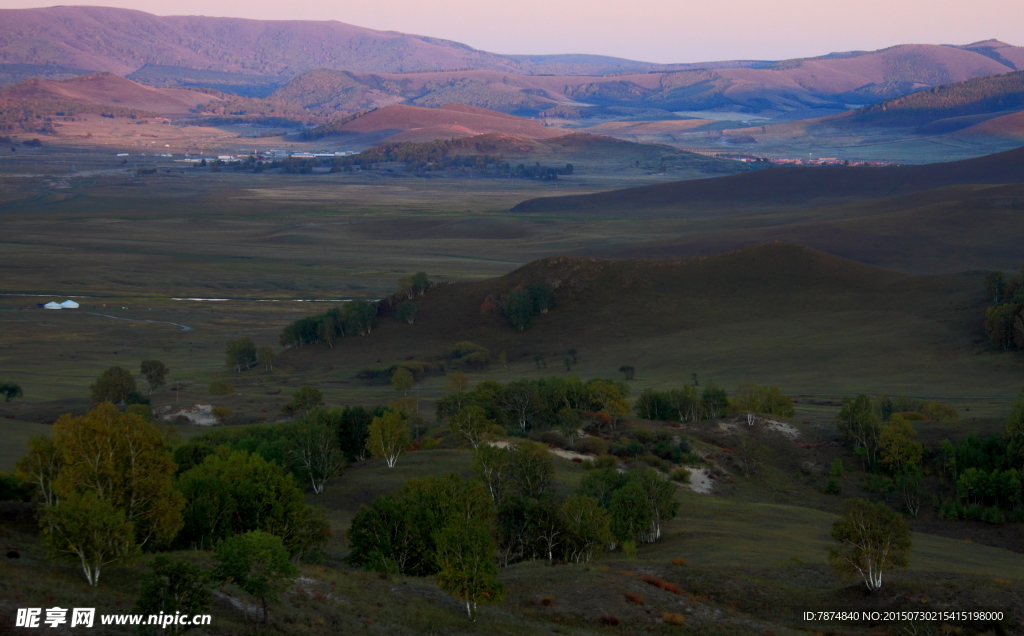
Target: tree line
1004 317
454 528
981 479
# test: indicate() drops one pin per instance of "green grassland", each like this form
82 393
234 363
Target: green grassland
750 568
817 325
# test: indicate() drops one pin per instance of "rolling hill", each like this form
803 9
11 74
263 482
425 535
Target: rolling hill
784 187
107 89
795 88
413 123
779 312
384 68
122 41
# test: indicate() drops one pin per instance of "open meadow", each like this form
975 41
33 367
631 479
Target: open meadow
825 299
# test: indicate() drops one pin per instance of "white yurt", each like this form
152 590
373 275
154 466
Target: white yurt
52 305
69 304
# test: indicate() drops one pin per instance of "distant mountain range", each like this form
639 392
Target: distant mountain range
330 68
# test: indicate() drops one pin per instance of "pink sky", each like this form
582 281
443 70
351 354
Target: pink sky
650 30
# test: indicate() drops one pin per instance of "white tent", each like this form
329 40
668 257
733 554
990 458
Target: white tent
69 304
52 305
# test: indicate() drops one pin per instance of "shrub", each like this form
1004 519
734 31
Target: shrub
633 597
910 416
833 487
952 510
665 585
974 512
656 462
939 412
591 446
469 355
643 436
551 438
632 449
221 413
610 620
679 561
673 619
993 515
221 388
681 475
12 488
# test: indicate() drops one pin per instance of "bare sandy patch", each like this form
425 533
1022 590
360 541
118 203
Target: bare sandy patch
781 427
700 480
198 414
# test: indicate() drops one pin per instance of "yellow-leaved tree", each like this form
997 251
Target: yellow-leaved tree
125 460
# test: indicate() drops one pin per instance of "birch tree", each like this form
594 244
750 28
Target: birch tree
90 530
388 437
471 423
465 555
41 466
870 539
316 451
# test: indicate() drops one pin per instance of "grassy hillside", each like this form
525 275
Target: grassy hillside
749 568
784 187
983 96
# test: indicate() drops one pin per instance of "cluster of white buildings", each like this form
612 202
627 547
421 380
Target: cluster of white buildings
67 304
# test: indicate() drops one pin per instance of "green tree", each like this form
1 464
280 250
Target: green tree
405 288
631 516
325 331
125 460
406 312
471 423
420 283
587 528
518 309
257 562
999 324
89 529
232 492
174 587
10 391
1014 433
569 423
543 296
531 468
265 356
220 388
995 283
714 401
897 446
155 373
456 382
315 448
870 539
221 413
388 436
659 494
304 400
41 466
114 385
397 532
858 423
240 354
629 371
402 380
491 464
360 317
465 556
